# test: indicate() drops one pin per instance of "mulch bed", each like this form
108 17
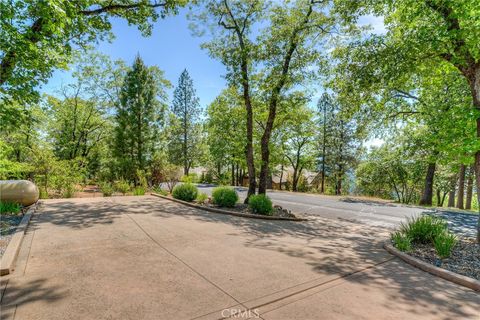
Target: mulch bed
8 224
243 208
465 258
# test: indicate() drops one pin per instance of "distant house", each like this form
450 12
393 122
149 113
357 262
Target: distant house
312 178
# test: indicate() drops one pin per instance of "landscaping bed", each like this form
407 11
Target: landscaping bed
244 209
464 258
428 243
8 224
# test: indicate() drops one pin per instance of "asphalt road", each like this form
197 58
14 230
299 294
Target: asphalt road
374 213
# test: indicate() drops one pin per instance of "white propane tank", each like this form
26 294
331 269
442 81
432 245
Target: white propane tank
20 191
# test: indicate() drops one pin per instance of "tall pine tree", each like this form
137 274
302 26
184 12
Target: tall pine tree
185 134
138 118
337 142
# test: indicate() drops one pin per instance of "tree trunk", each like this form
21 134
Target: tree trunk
461 187
338 184
439 200
451 194
294 180
468 204
477 160
443 199
474 81
427 195
233 174
324 148
281 177
273 101
237 171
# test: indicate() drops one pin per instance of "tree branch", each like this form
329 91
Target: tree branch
119 6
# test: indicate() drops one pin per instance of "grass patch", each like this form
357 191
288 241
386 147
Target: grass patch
11 208
401 242
139 191
425 230
444 244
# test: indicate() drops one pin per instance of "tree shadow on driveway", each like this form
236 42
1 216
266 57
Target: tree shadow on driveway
17 292
350 250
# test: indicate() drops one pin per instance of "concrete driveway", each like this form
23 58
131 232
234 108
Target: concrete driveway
148 258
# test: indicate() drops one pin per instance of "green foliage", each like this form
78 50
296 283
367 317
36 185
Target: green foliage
138 118
160 191
139 191
185 129
11 170
401 241
202 198
186 192
10 208
142 179
64 177
122 186
190 178
106 189
224 196
39 36
423 229
260 204
389 172
444 244
69 191
297 142
43 193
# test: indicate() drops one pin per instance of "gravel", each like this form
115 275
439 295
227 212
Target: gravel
243 208
8 224
464 260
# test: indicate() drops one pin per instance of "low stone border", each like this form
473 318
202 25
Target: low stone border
7 262
232 213
439 272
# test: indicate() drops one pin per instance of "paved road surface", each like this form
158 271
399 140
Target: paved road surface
369 212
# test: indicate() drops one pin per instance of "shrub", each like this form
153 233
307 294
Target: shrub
260 204
224 196
401 241
142 178
190 178
186 192
202 198
69 191
423 229
43 193
122 186
444 243
139 191
107 189
10 208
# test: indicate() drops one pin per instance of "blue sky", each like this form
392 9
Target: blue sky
172 48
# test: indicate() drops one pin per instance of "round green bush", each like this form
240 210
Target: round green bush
186 192
224 196
260 204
